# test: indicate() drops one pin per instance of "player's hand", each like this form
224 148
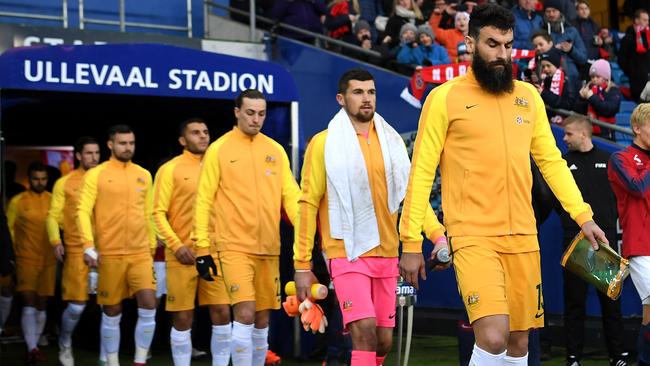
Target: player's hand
593 232
410 265
185 255
204 264
440 244
59 252
91 257
304 280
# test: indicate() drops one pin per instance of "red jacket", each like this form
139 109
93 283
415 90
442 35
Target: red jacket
629 174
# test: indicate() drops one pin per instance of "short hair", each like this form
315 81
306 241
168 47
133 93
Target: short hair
582 2
640 115
119 128
541 33
580 120
490 15
638 12
36 166
250 94
184 124
82 142
353 74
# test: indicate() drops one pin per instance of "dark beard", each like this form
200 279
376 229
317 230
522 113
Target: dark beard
492 79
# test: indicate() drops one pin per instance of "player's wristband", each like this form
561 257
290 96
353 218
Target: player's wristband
303 270
440 240
91 252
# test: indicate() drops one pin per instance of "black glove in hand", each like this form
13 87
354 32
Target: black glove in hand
203 266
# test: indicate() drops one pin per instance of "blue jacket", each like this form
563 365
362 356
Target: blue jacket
588 28
524 27
575 58
409 55
436 54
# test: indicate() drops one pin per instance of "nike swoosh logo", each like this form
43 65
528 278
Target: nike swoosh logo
391 316
232 161
538 315
200 261
470 106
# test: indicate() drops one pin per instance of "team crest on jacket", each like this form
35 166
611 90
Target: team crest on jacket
521 102
270 159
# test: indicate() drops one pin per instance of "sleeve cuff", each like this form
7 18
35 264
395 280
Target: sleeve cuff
584 217
56 242
301 265
175 246
436 234
88 244
412 247
203 251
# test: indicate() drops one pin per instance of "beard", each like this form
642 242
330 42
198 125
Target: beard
494 79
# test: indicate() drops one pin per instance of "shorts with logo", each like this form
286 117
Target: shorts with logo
120 277
35 276
365 288
251 277
640 273
491 282
183 284
74 281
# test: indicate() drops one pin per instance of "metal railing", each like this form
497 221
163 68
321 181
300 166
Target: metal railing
123 23
62 18
274 24
610 126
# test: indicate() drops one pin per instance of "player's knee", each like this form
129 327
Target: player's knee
245 315
518 344
364 337
384 345
112 310
493 341
220 314
183 320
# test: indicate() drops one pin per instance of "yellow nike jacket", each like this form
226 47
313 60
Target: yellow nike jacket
26 215
63 209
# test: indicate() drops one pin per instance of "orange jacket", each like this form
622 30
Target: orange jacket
175 189
313 209
483 143
119 196
248 180
62 213
450 38
26 220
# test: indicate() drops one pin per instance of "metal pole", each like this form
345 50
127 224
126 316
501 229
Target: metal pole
122 16
206 20
252 21
81 14
295 149
3 183
65 13
189 18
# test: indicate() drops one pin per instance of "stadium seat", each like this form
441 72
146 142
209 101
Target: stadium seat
626 106
623 119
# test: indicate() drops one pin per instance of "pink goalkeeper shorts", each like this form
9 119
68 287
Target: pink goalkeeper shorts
365 288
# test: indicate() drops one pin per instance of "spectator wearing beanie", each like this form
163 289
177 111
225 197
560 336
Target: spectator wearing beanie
430 52
555 88
408 51
566 38
404 11
363 38
634 54
600 99
450 38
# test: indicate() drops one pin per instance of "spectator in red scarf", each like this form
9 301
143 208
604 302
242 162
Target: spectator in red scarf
340 17
600 99
555 88
606 47
634 55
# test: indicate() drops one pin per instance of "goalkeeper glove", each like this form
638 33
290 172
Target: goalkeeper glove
203 266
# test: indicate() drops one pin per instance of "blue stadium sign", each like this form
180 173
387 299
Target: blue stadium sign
142 69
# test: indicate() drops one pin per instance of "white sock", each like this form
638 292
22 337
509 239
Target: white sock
69 320
241 348
514 361
144 330
481 357
220 344
5 309
110 333
181 342
260 345
102 351
28 322
41 318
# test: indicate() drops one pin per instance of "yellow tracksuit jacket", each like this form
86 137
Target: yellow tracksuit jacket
63 210
119 197
174 194
26 215
313 209
248 180
483 143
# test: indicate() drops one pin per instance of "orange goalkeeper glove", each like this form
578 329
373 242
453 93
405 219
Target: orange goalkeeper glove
312 317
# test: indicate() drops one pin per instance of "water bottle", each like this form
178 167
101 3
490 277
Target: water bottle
442 257
92 281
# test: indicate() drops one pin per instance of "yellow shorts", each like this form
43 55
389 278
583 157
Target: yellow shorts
250 277
7 282
74 281
121 277
492 283
183 283
35 277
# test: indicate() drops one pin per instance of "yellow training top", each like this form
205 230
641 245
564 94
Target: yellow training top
26 215
314 211
63 209
483 143
248 180
119 195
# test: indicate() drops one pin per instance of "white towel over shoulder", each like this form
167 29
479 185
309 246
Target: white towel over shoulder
351 211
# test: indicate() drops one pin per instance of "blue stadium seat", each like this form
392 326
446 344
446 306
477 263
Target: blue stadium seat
623 119
627 106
